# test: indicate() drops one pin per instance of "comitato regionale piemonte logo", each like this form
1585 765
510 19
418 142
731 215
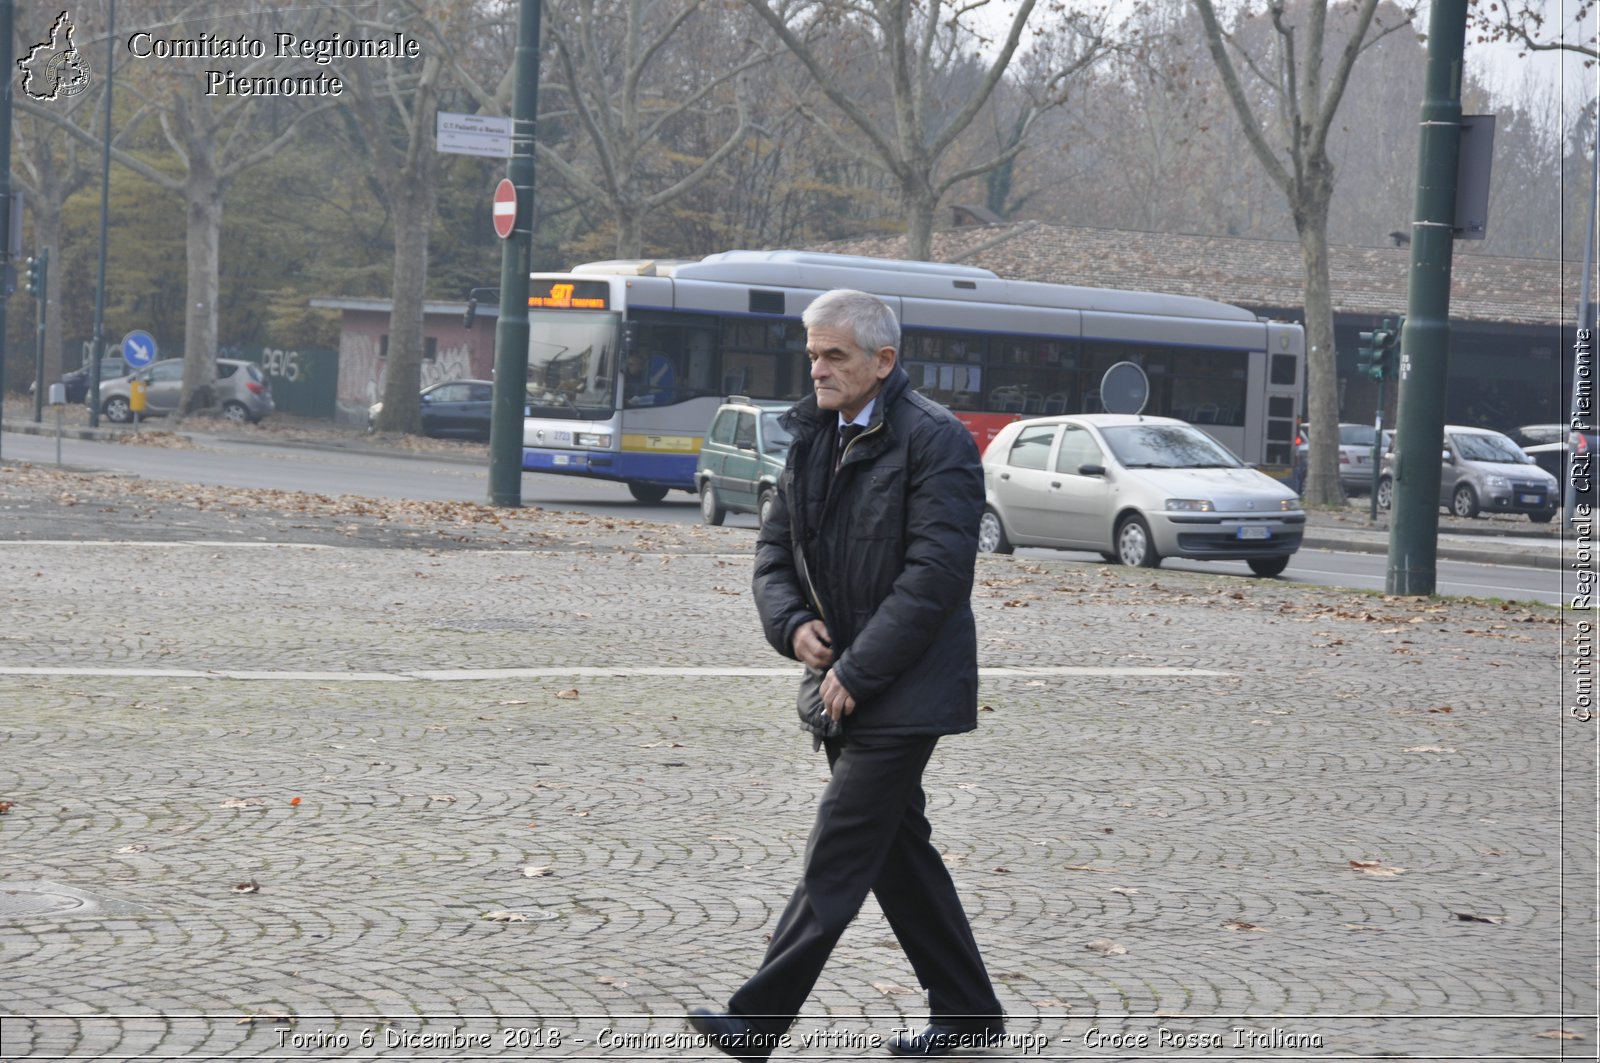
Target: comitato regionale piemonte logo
54 69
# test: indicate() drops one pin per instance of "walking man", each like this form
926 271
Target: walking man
864 574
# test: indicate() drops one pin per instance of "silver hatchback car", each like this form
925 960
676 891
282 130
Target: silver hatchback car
243 392
1135 490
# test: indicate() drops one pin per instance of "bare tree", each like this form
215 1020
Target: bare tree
49 168
624 83
920 45
395 106
1526 23
214 132
1289 79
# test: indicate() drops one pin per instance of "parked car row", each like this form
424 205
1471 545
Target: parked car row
1484 471
243 392
1133 489
1355 454
451 408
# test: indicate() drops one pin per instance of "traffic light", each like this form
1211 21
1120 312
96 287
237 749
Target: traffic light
1369 354
38 270
1379 354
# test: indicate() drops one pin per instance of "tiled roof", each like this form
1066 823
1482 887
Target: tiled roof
1260 274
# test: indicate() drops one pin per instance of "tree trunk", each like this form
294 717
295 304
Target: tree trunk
414 206
1322 392
920 205
630 231
47 234
204 196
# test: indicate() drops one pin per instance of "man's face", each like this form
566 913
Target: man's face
845 377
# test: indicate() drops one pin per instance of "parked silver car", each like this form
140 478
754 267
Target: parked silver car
1482 470
243 391
1355 454
1135 490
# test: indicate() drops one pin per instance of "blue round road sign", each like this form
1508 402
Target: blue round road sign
138 348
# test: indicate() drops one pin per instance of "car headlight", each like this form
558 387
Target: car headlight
1498 483
1288 505
599 440
1191 505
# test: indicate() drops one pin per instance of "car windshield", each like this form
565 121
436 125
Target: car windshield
1492 447
1357 435
1166 446
776 436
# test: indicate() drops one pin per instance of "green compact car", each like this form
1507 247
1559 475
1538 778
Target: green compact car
741 459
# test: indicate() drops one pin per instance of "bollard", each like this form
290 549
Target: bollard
136 400
58 399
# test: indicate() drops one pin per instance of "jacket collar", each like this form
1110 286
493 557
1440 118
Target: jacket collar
808 418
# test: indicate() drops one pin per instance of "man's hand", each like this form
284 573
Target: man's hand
835 698
812 645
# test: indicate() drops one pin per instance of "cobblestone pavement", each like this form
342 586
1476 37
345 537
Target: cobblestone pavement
283 779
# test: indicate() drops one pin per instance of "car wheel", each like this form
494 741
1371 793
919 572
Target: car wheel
1134 545
1464 503
649 493
1541 518
235 412
711 511
992 534
1385 493
117 410
1268 566
764 505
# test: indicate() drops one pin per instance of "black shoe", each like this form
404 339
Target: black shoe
942 1038
732 1035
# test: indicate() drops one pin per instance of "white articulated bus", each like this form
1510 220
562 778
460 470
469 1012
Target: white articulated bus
628 360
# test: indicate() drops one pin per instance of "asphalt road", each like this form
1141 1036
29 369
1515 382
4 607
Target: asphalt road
222 462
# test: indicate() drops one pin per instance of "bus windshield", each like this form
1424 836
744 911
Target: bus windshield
572 364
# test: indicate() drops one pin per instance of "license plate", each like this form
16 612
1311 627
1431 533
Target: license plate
1254 532
1531 500
561 459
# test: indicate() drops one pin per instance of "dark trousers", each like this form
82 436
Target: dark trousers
871 833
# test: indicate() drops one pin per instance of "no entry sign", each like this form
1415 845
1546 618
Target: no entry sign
505 208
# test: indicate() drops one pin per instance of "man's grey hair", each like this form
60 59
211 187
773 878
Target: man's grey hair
866 316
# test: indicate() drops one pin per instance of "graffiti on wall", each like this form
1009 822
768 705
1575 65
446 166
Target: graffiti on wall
362 370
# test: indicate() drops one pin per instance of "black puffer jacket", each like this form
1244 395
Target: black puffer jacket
883 551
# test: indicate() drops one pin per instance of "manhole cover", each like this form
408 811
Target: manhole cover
15 902
31 900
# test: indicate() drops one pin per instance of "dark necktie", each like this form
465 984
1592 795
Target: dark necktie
846 434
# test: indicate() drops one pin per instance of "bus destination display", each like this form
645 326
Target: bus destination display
569 295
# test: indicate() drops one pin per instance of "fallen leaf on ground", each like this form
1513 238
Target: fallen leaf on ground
535 872
889 989
277 1017
1469 917
244 802
1375 867
1106 948
1238 924
248 887
567 695
1428 749
506 917
1560 1035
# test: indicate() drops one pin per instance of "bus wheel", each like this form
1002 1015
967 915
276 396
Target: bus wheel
711 510
651 493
